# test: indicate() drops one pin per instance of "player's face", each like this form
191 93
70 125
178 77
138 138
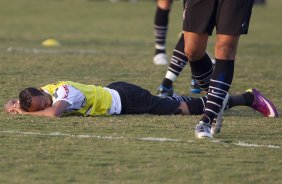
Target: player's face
39 103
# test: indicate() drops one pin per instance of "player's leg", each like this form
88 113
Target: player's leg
251 98
220 82
238 12
200 63
198 25
195 106
160 29
136 100
194 87
177 63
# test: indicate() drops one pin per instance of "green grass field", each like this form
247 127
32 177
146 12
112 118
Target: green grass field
103 42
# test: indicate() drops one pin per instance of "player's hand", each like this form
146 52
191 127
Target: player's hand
16 109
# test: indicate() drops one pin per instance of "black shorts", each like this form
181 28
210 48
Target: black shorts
230 17
136 100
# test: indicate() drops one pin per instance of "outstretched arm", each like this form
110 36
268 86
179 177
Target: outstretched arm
56 110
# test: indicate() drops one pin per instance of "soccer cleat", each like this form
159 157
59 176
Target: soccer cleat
217 123
203 130
164 92
216 127
160 59
262 104
195 88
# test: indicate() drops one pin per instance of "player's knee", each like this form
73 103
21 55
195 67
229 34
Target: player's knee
165 4
225 51
194 55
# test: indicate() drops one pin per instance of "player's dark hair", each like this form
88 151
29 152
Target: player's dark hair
25 97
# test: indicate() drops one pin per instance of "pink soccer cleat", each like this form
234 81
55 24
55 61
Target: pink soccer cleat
262 104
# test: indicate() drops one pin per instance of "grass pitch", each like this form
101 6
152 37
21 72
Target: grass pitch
103 42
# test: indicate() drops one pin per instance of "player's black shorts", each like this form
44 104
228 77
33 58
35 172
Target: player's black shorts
230 17
136 100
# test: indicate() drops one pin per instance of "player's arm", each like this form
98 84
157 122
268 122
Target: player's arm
56 110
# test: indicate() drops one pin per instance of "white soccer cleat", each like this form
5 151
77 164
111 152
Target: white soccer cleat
203 130
216 127
160 59
217 123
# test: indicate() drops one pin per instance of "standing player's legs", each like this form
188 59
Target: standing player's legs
231 19
160 29
238 12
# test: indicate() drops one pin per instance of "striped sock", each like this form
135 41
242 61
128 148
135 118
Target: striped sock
177 63
219 86
195 105
160 28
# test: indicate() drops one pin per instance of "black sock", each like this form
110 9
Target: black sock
219 86
245 99
249 98
167 83
161 26
236 100
196 106
178 59
201 71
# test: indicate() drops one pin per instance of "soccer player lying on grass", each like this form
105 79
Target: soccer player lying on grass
67 97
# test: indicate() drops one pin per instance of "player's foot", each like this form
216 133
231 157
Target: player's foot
216 127
160 59
203 130
217 123
195 88
164 92
262 104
